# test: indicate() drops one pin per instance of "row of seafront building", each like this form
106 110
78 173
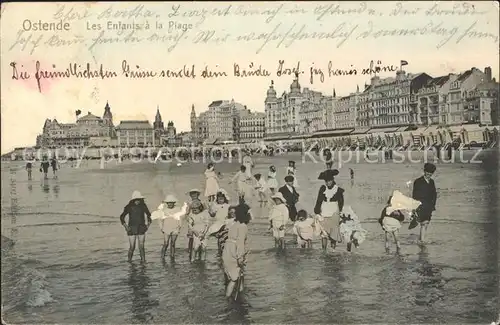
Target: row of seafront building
417 109
413 108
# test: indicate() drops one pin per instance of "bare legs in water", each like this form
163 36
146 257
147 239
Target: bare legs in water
142 250
423 230
169 240
396 240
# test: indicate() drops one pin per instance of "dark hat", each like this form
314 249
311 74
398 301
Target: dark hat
289 178
291 162
429 168
257 175
328 175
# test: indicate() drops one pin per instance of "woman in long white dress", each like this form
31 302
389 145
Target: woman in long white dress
235 251
212 183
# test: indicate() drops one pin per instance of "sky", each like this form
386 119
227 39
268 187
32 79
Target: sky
436 38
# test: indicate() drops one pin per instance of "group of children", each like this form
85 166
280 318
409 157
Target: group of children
202 220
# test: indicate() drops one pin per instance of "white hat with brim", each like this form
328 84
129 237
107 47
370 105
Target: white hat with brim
137 195
170 199
194 190
278 196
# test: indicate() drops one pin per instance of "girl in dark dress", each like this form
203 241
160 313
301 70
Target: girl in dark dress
139 219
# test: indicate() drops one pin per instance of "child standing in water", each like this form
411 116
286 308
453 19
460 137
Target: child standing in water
194 196
198 221
390 220
272 183
221 234
170 223
292 171
29 166
241 179
212 184
261 188
278 217
139 219
304 229
219 211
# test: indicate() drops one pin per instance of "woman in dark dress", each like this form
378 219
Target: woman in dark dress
139 219
329 205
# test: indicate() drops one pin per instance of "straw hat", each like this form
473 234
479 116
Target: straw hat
278 196
194 190
170 198
137 195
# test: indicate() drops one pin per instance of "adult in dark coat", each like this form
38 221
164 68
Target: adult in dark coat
291 196
424 190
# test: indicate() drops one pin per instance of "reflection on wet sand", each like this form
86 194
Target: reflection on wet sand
431 284
138 281
333 289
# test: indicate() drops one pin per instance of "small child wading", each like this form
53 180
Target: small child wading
170 218
198 222
278 218
304 229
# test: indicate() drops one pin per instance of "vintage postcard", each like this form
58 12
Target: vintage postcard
250 162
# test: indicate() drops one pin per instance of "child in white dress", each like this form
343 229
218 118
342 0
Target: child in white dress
278 218
304 229
170 223
242 179
350 229
198 222
261 187
212 183
272 183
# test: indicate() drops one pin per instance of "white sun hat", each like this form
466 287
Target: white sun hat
137 195
278 196
170 198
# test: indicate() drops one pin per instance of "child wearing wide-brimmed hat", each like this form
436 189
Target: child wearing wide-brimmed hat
278 218
170 223
139 219
198 224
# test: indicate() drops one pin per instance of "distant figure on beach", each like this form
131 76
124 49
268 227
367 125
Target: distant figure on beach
29 167
329 205
248 163
54 165
424 190
272 183
292 171
212 183
139 220
44 167
242 179
291 196
261 187
351 172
